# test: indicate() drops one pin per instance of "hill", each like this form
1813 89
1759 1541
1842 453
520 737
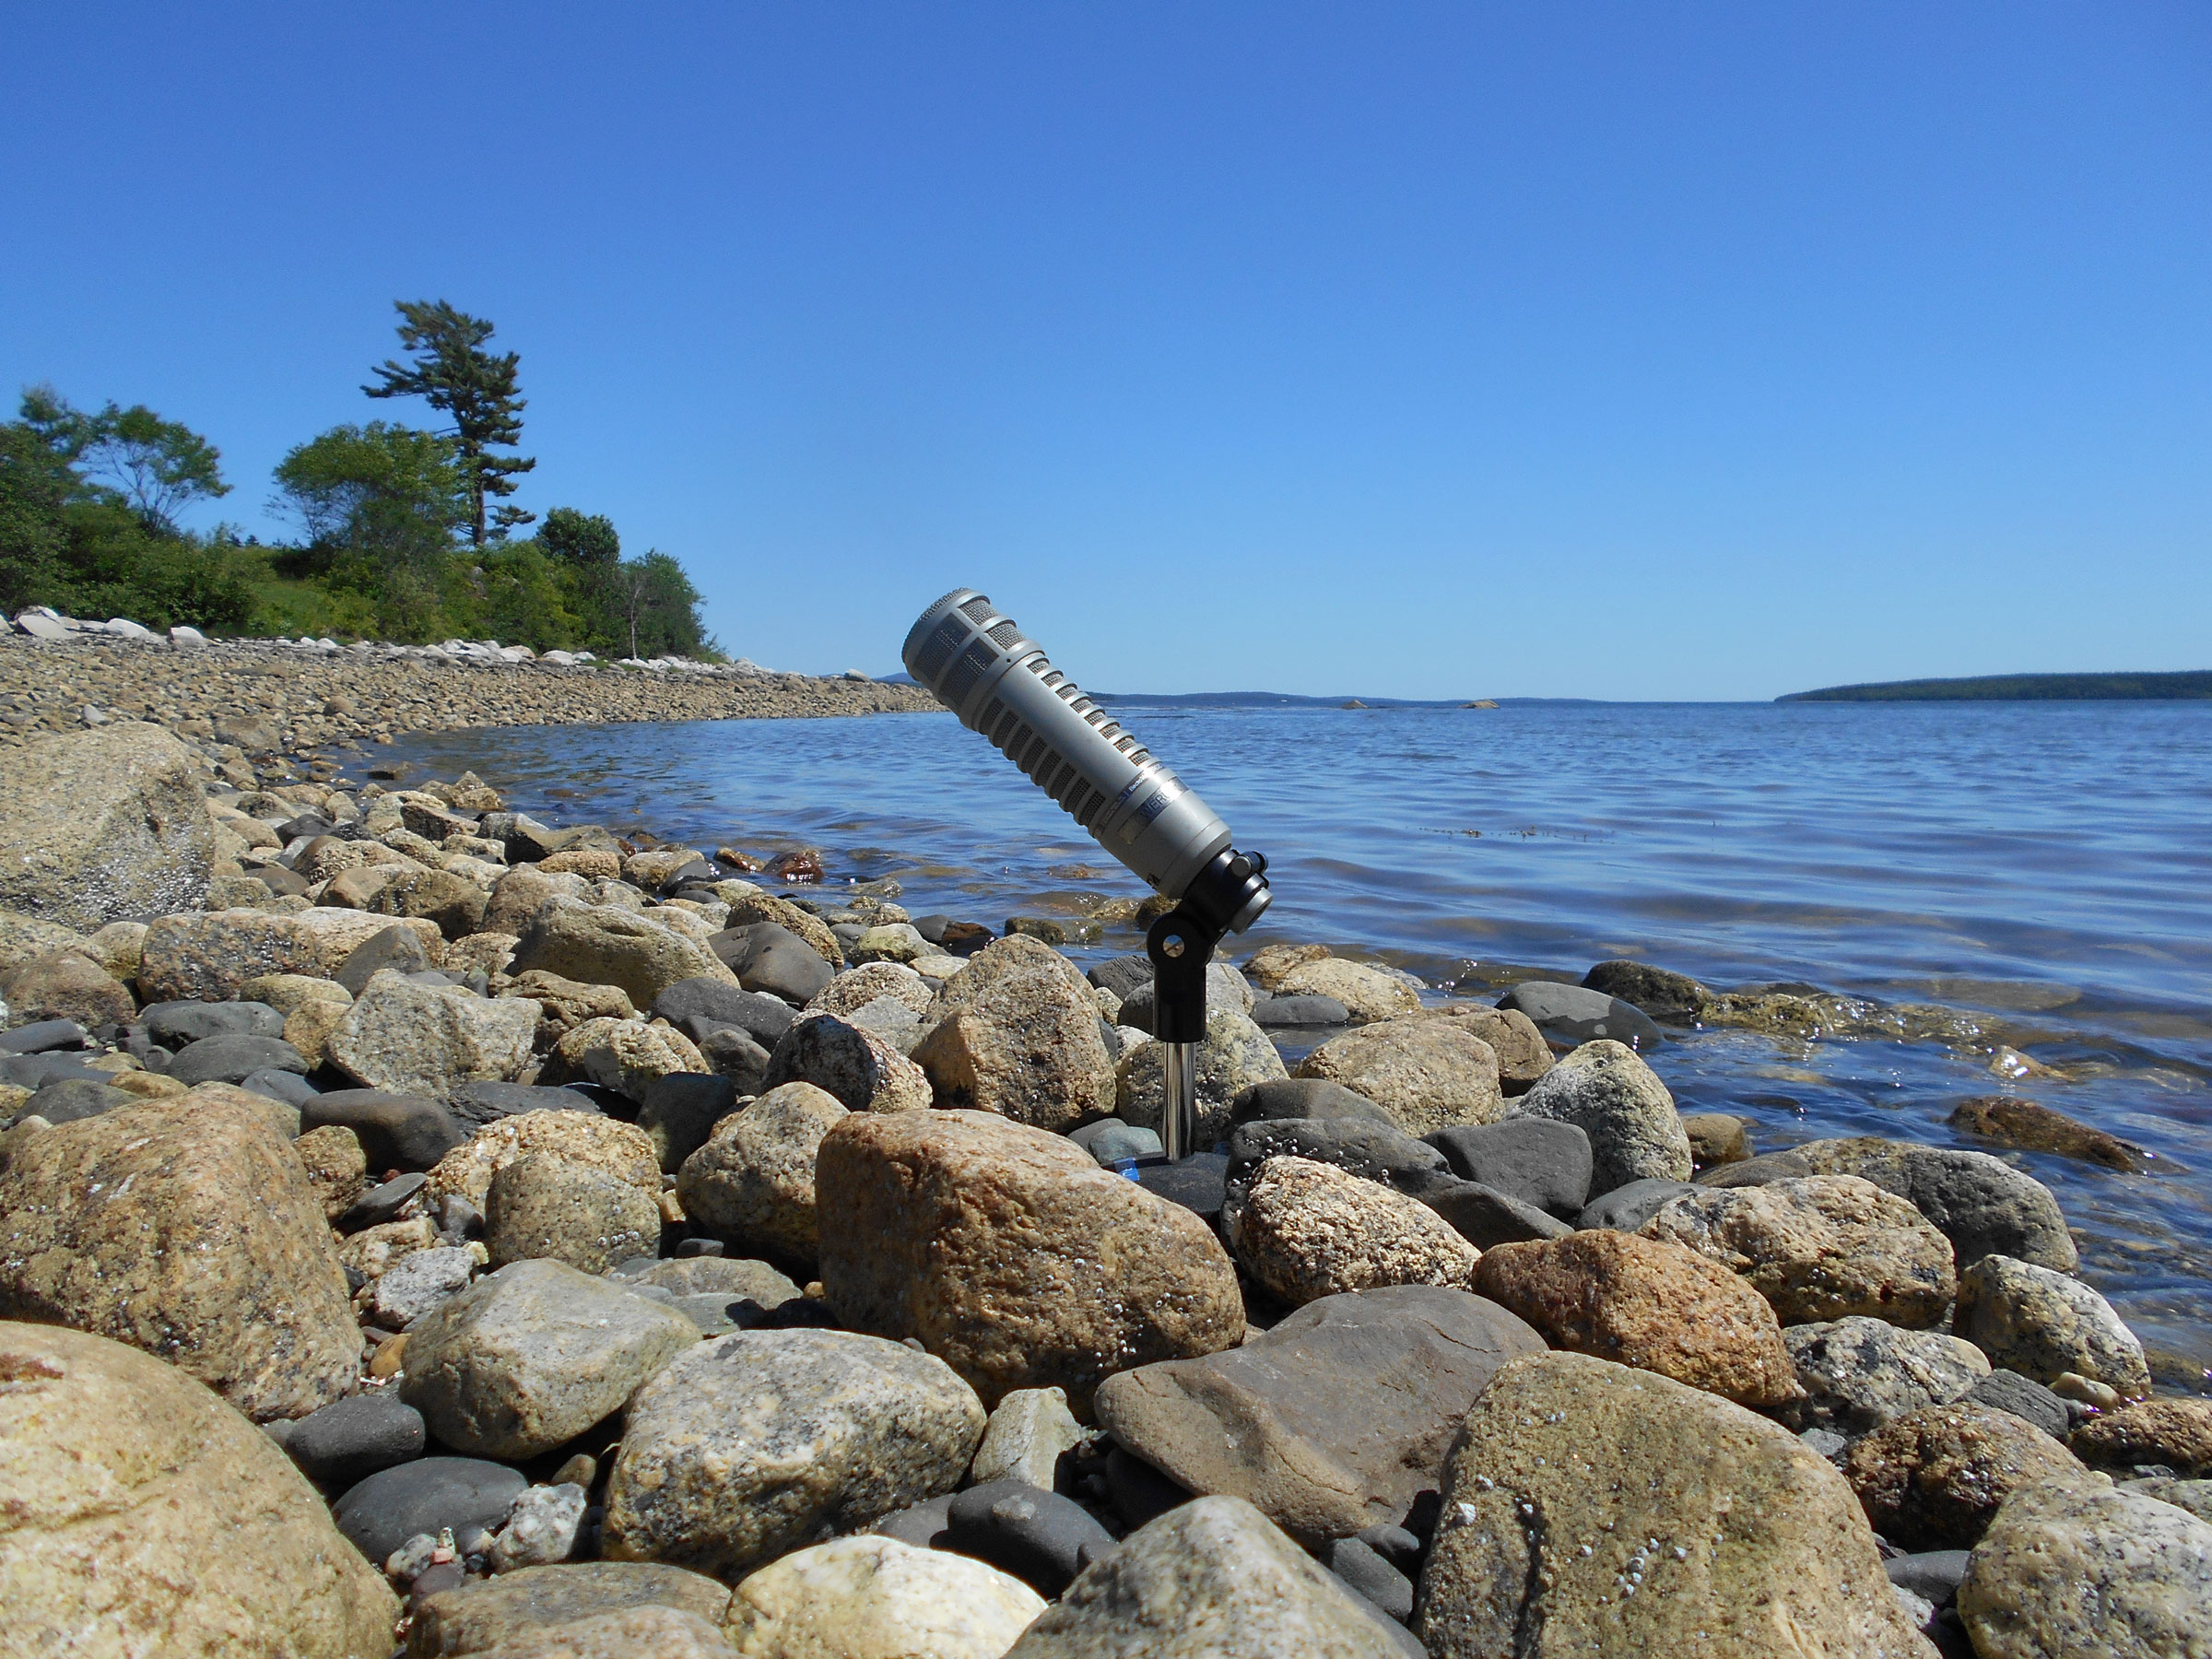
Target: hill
2018 687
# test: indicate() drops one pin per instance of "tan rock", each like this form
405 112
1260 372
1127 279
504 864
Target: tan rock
2175 1431
1934 1479
621 1149
116 948
1268 966
1310 1230
207 956
565 1004
146 1086
859 1066
486 952
857 987
2044 1323
628 1055
65 985
371 1251
750 904
1366 993
414 1039
1649 1303
594 864
308 1027
877 1598
336 1167
1024 1044
120 1471
753 1182
99 825
601 945
286 992
487 1615
1427 1072
1522 1055
523 892
356 888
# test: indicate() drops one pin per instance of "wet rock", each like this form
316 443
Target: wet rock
2174 1432
680 1113
1484 1217
619 1149
1716 1138
1031 1533
1659 991
1858 1373
187 1227
1234 1055
1009 1253
1210 1580
351 1440
2033 1127
2077 1569
232 1059
1030 1430
1824 1247
1427 1072
429 1495
420 1281
120 1471
1023 1043
871 1595
1366 993
600 944
1332 1421
2009 1391
1308 1230
1935 1477
1522 1055
65 985
1314 1097
860 1069
2043 1324
1982 1203
1580 1015
532 1356
753 1182
1646 1303
543 1205
1540 1162
628 1055
102 825
491 1614
405 1037
397 1131
1700 1526
1628 1208
746 1446
768 958
1614 1097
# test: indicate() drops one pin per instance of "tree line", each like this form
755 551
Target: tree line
405 532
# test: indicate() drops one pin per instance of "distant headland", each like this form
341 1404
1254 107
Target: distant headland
2018 687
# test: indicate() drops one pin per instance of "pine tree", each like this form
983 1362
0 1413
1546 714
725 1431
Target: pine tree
452 372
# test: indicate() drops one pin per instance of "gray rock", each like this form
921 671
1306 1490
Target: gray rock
1305 1097
541 1528
1756 1170
1613 1096
1210 1580
1029 1431
769 959
1982 1203
680 1113
1859 1373
1032 1533
1932 1574
513 1612
396 947
102 825
2195 1496
753 1444
1484 1217
733 1278
431 1040
1274 1012
1659 991
2025 1398
1581 1015
42 1036
730 1053
544 1206
753 1182
1387 1155
232 1058
1122 975
1627 1208
289 1087
762 1018
35 1071
476 1104
420 1281
397 1131
1540 1162
1234 1055
427 1495
1367 1575
2044 1325
1111 1141
346 1442
174 1023
925 1525
73 1099
532 1356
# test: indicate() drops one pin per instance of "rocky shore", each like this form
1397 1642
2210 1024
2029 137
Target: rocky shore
433 1230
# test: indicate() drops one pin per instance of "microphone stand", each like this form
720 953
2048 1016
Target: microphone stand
1231 888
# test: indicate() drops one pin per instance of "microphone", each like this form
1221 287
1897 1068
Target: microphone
979 664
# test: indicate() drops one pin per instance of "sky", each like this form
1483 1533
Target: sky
1709 351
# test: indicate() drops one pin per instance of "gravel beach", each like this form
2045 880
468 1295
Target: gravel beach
435 1230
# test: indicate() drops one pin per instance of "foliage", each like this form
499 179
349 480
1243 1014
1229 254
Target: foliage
659 607
452 372
154 467
373 497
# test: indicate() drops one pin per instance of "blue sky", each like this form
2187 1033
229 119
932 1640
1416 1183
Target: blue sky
1707 351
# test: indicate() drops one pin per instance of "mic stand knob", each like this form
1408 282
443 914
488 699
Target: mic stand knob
1181 947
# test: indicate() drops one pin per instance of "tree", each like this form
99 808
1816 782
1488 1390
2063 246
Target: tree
154 467
585 544
389 493
452 372
660 607
35 483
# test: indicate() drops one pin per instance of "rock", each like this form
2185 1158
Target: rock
65 985
1010 1253
876 1595
1332 1421
1368 1575
1934 1479
1982 1203
1716 1138
2009 1391
1234 1055
730 1053
732 1276
628 1055
543 1205
204 1245
745 1447
1032 1533
2195 1496
1522 1055
541 1528
397 1131
429 1495
2042 1324
456 904
102 825
1590 1506
857 987
23 939
230 1059
2172 1431
121 1472
1112 1142
1484 1217
863 1071
371 1251
925 1525
680 1113
600 944
72 1100
395 950
1210 1580
42 1036
420 1281
773 959
473 1105
523 892
1614 1097
1580 1015
1820 1248
2033 1127
1023 1043
336 1167
750 905
346 1442
1030 1430
2082 1570
1627 1208
1659 991
1374 1151
1310 1230
753 1182
621 1149
763 1018
208 957
1858 1373
1427 1072
1539 1161
1647 1303
487 1616
1366 993
1275 1012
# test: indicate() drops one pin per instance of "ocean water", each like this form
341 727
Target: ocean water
2047 867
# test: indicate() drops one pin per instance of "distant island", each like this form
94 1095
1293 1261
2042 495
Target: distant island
2018 687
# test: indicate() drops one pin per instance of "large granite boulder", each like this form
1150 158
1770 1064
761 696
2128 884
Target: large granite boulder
1023 1043
863 1071
209 956
1010 1253
874 1595
1306 1230
1647 1303
621 1149
752 1445
1934 1479
1592 1507
604 945
2043 1324
487 1616
186 1226
1427 1072
102 825
1606 1090
143 1516
753 1182
1334 1421
1210 1580
407 1038
1819 1248
1858 1373
1982 1203
532 1356
519 895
